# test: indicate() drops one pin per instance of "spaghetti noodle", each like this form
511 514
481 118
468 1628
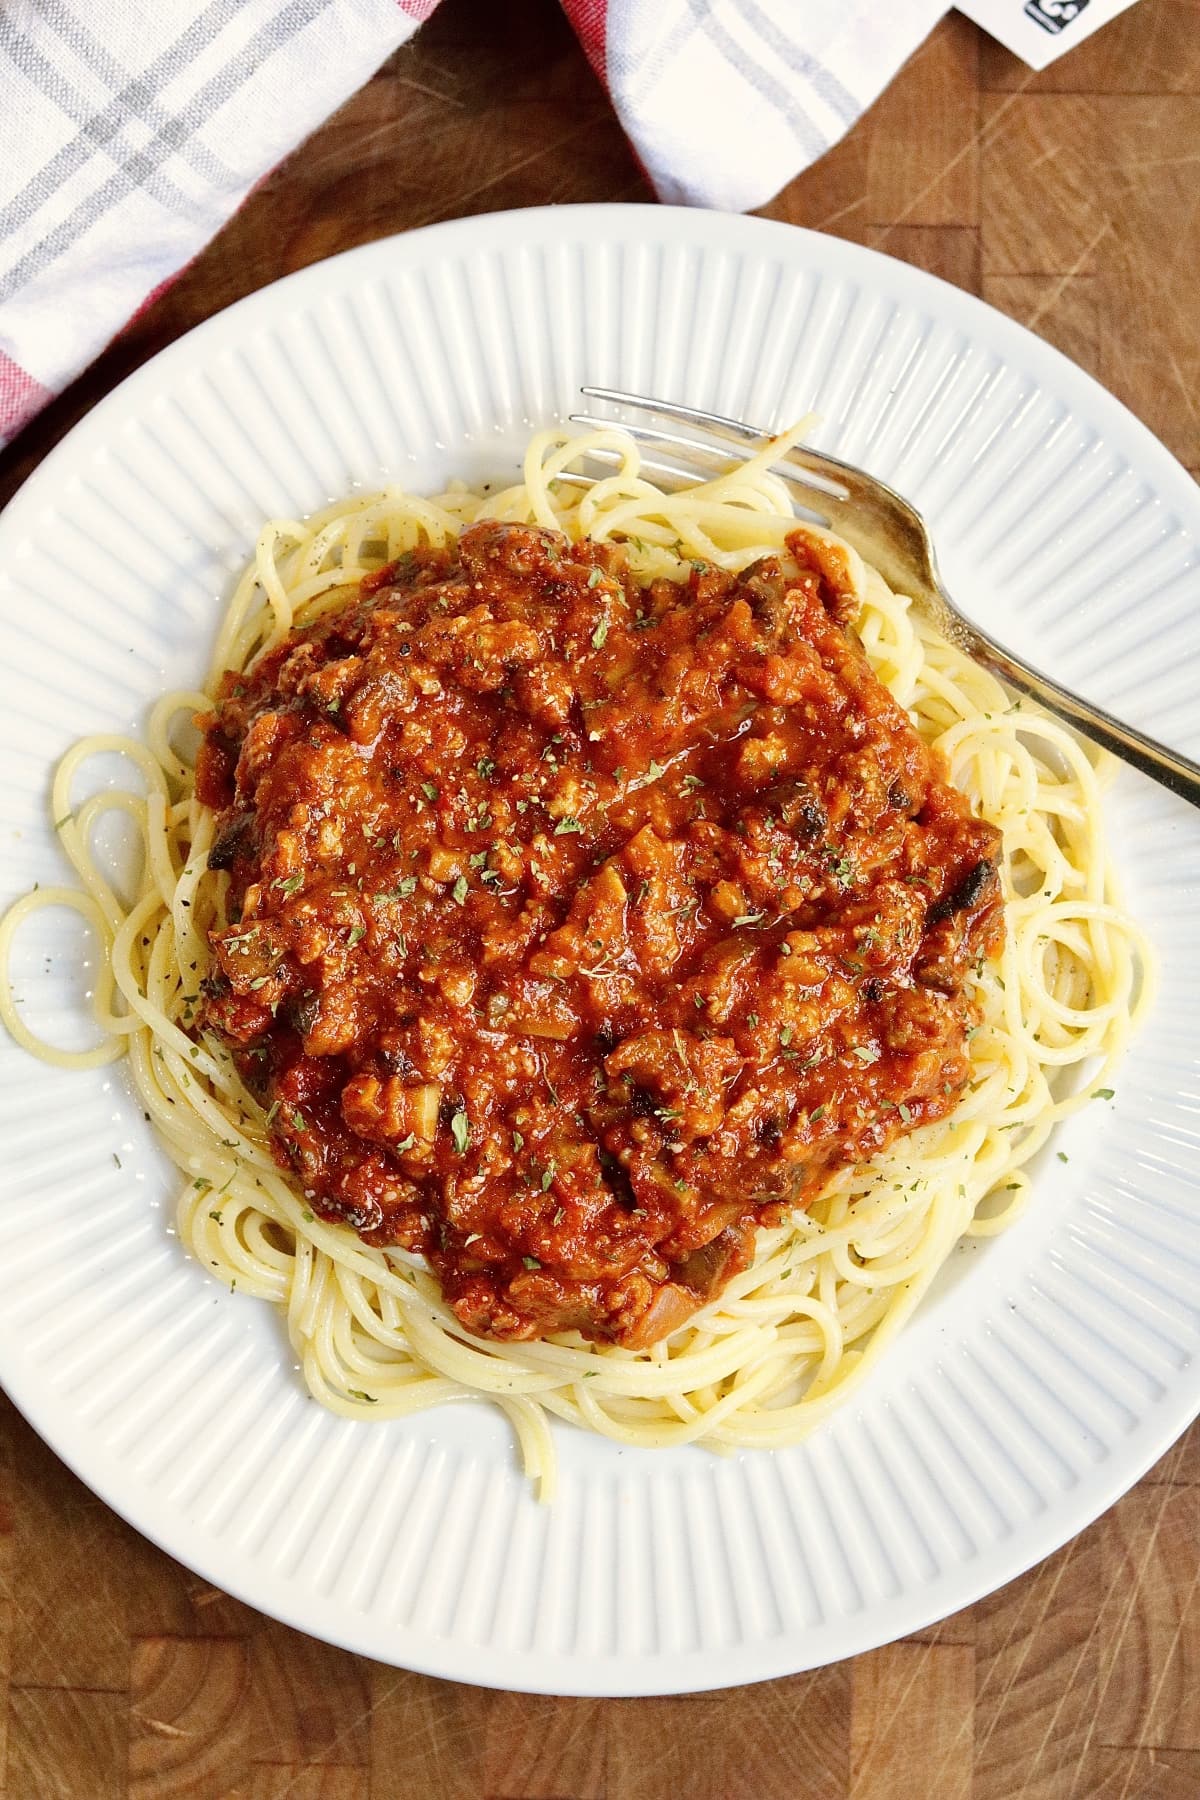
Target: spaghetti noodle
828 1289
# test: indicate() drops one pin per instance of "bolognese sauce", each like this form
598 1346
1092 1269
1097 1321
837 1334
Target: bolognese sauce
578 927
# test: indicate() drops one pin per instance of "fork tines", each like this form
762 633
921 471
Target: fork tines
736 440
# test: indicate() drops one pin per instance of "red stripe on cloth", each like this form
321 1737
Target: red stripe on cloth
20 397
589 17
418 9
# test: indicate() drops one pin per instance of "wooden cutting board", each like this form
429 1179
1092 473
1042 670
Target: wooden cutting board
1072 201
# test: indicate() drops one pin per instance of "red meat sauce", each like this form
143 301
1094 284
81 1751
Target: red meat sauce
583 927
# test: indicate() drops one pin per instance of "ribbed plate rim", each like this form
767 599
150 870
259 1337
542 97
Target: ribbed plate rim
674 1671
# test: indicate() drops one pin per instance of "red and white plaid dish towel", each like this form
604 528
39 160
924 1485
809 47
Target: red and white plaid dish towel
130 130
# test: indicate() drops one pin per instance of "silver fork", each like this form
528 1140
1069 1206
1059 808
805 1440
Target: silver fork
891 535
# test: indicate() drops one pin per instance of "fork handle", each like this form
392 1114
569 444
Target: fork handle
1172 770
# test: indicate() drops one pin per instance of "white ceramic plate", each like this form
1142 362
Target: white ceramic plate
1050 1368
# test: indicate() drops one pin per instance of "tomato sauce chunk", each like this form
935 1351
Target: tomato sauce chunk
581 927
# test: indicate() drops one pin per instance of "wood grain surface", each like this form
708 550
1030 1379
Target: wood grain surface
1071 200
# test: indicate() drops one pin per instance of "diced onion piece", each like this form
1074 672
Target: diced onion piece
426 1102
544 1027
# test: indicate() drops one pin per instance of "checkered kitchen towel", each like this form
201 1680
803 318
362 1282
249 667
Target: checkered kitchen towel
131 129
